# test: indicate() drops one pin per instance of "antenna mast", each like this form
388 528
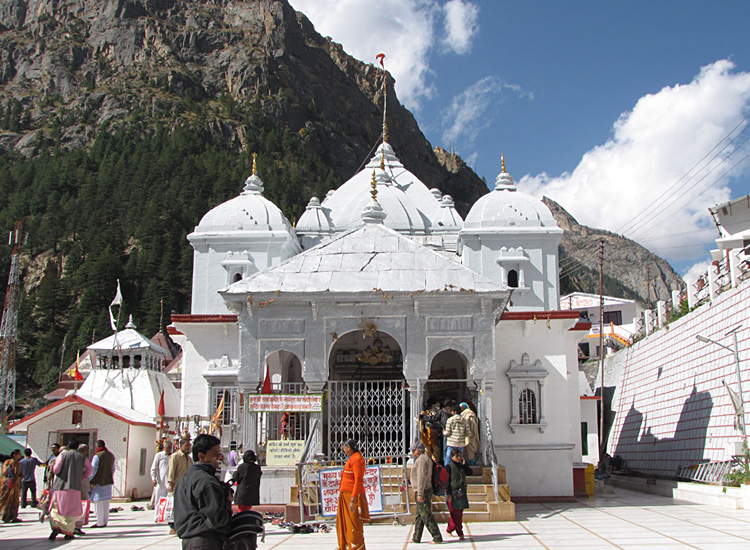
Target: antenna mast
8 330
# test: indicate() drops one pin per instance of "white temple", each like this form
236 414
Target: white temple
382 298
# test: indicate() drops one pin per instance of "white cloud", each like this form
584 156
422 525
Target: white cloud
657 143
470 111
695 271
460 25
405 30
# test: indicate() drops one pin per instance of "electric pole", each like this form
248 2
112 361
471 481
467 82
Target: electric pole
8 329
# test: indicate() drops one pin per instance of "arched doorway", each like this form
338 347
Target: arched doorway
449 380
366 395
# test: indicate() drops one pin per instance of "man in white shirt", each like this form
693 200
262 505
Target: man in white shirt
159 473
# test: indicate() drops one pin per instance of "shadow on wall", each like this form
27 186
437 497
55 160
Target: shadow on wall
647 454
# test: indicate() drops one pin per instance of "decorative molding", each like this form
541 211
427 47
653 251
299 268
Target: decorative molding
276 327
464 323
537 446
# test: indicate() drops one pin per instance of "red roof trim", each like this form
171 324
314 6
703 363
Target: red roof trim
172 331
592 397
203 318
582 326
538 315
85 403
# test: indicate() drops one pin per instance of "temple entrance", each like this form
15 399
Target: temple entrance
366 396
449 381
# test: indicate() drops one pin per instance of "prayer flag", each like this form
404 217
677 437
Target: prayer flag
267 382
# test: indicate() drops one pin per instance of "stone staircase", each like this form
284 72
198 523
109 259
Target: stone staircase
482 505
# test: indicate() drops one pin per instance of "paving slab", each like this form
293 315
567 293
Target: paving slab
625 520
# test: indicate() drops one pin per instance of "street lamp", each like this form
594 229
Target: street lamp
735 351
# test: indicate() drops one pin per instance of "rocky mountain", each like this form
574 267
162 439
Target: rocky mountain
630 270
71 68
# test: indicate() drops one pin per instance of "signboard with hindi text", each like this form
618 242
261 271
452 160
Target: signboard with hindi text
330 479
279 402
284 452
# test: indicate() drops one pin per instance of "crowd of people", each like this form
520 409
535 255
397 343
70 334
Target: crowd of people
202 504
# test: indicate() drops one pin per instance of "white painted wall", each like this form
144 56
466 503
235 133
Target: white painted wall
205 342
538 464
139 437
671 407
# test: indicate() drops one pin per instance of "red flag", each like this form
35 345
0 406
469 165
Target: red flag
380 57
267 382
161 411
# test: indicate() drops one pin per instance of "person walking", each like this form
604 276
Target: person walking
202 503
102 480
179 464
421 482
83 519
353 510
28 480
456 494
472 439
247 478
456 432
159 475
71 471
10 487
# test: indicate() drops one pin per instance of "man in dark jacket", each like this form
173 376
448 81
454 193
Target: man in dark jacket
202 504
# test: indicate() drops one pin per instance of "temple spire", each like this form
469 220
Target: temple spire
502 162
255 156
380 57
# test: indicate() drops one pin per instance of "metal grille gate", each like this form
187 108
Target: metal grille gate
372 412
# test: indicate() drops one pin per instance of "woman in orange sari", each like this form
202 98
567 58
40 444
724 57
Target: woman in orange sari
10 487
353 511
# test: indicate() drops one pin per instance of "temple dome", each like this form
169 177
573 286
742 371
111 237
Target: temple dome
409 205
505 207
249 212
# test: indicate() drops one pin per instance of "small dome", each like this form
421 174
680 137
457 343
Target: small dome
506 207
315 219
248 212
448 218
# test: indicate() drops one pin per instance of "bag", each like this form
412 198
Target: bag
166 509
440 478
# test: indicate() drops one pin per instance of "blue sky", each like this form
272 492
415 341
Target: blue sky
610 108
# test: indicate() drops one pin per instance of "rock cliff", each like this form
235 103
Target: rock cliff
71 68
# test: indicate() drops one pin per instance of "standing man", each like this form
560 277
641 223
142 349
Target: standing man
179 464
421 482
102 480
456 432
159 475
202 504
28 481
472 423
48 475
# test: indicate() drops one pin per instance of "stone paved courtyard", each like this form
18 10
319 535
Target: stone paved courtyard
626 520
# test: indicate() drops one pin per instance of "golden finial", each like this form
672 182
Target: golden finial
374 184
382 158
502 161
385 132
255 156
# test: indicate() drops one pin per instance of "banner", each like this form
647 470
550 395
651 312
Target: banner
284 452
275 402
330 480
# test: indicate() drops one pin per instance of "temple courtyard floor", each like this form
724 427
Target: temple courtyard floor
625 520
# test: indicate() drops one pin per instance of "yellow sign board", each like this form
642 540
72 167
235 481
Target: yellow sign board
284 452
